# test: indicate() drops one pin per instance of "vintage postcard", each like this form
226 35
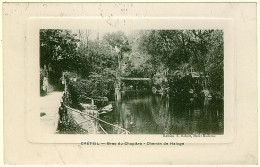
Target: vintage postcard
156 78
113 77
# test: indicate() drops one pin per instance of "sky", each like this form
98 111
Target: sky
102 32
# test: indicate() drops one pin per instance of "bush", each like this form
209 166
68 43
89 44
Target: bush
95 86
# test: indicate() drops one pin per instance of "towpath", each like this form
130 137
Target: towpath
49 105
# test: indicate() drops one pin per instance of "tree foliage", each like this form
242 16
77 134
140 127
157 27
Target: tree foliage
162 55
179 50
58 48
118 40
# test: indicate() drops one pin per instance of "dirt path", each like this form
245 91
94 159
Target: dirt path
50 106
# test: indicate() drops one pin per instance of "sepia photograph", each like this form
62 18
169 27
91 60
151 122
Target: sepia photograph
167 81
130 83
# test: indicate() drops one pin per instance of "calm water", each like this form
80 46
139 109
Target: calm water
143 113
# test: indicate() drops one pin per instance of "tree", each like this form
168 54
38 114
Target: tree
207 57
95 57
175 49
119 43
58 51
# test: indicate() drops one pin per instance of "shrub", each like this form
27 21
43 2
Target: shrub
95 86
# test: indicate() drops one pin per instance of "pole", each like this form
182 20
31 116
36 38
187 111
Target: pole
118 85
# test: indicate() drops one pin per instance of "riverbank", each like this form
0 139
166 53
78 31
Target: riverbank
78 122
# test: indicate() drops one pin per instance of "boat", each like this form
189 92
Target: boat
100 104
88 104
106 109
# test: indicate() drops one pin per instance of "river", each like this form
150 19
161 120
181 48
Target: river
146 113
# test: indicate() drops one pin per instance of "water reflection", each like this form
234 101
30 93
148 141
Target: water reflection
145 113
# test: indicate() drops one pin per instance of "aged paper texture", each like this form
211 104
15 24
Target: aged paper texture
130 83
